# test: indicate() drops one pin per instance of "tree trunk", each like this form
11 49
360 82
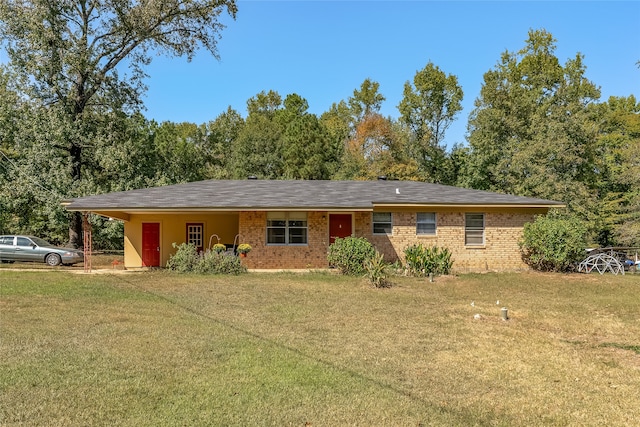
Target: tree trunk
75 230
75 221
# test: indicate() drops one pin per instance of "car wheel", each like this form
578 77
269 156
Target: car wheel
53 260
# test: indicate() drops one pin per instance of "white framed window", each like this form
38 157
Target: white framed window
287 228
382 222
195 234
474 229
426 223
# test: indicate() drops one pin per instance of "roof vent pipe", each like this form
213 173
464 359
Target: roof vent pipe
382 178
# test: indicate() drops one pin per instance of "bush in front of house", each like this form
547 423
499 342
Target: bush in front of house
212 262
423 261
185 259
188 260
377 271
553 242
349 255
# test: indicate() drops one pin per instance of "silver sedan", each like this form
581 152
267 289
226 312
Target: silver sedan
30 248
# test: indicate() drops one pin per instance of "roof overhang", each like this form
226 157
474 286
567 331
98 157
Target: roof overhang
391 205
124 214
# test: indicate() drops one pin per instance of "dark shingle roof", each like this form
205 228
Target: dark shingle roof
312 195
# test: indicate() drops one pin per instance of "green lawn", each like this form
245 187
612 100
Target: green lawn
151 349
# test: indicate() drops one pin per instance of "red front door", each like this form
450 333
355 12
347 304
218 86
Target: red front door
339 226
150 244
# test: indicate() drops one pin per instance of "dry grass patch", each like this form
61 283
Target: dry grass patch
287 349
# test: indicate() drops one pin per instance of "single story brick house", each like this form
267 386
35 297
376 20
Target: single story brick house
290 224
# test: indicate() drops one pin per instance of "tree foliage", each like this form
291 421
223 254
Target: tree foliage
70 123
617 165
428 108
533 128
257 151
377 148
219 142
67 56
281 139
366 101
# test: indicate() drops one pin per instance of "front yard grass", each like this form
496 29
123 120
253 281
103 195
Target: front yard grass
265 349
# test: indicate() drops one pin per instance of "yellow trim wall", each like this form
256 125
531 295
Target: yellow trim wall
173 229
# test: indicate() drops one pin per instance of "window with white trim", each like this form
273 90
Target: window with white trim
287 228
474 229
195 235
426 223
382 222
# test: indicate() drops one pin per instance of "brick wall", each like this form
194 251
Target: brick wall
252 228
500 251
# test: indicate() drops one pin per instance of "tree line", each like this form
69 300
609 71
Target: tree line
71 126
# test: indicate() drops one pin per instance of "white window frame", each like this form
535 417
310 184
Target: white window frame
473 231
377 223
430 221
288 227
195 234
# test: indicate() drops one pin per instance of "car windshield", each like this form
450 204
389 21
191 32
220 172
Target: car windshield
40 242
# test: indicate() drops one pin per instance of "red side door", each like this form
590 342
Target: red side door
339 226
151 244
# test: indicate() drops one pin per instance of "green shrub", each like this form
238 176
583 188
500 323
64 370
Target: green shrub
553 243
188 260
376 271
212 262
185 259
422 262
349 255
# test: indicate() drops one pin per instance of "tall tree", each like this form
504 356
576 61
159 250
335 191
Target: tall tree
307 152
377 149
306 149
70 53
337 122
342 122
366 101
178 150
532 131
617 163
429 107
218 145
258 148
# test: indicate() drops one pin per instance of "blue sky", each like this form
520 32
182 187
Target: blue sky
323 50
